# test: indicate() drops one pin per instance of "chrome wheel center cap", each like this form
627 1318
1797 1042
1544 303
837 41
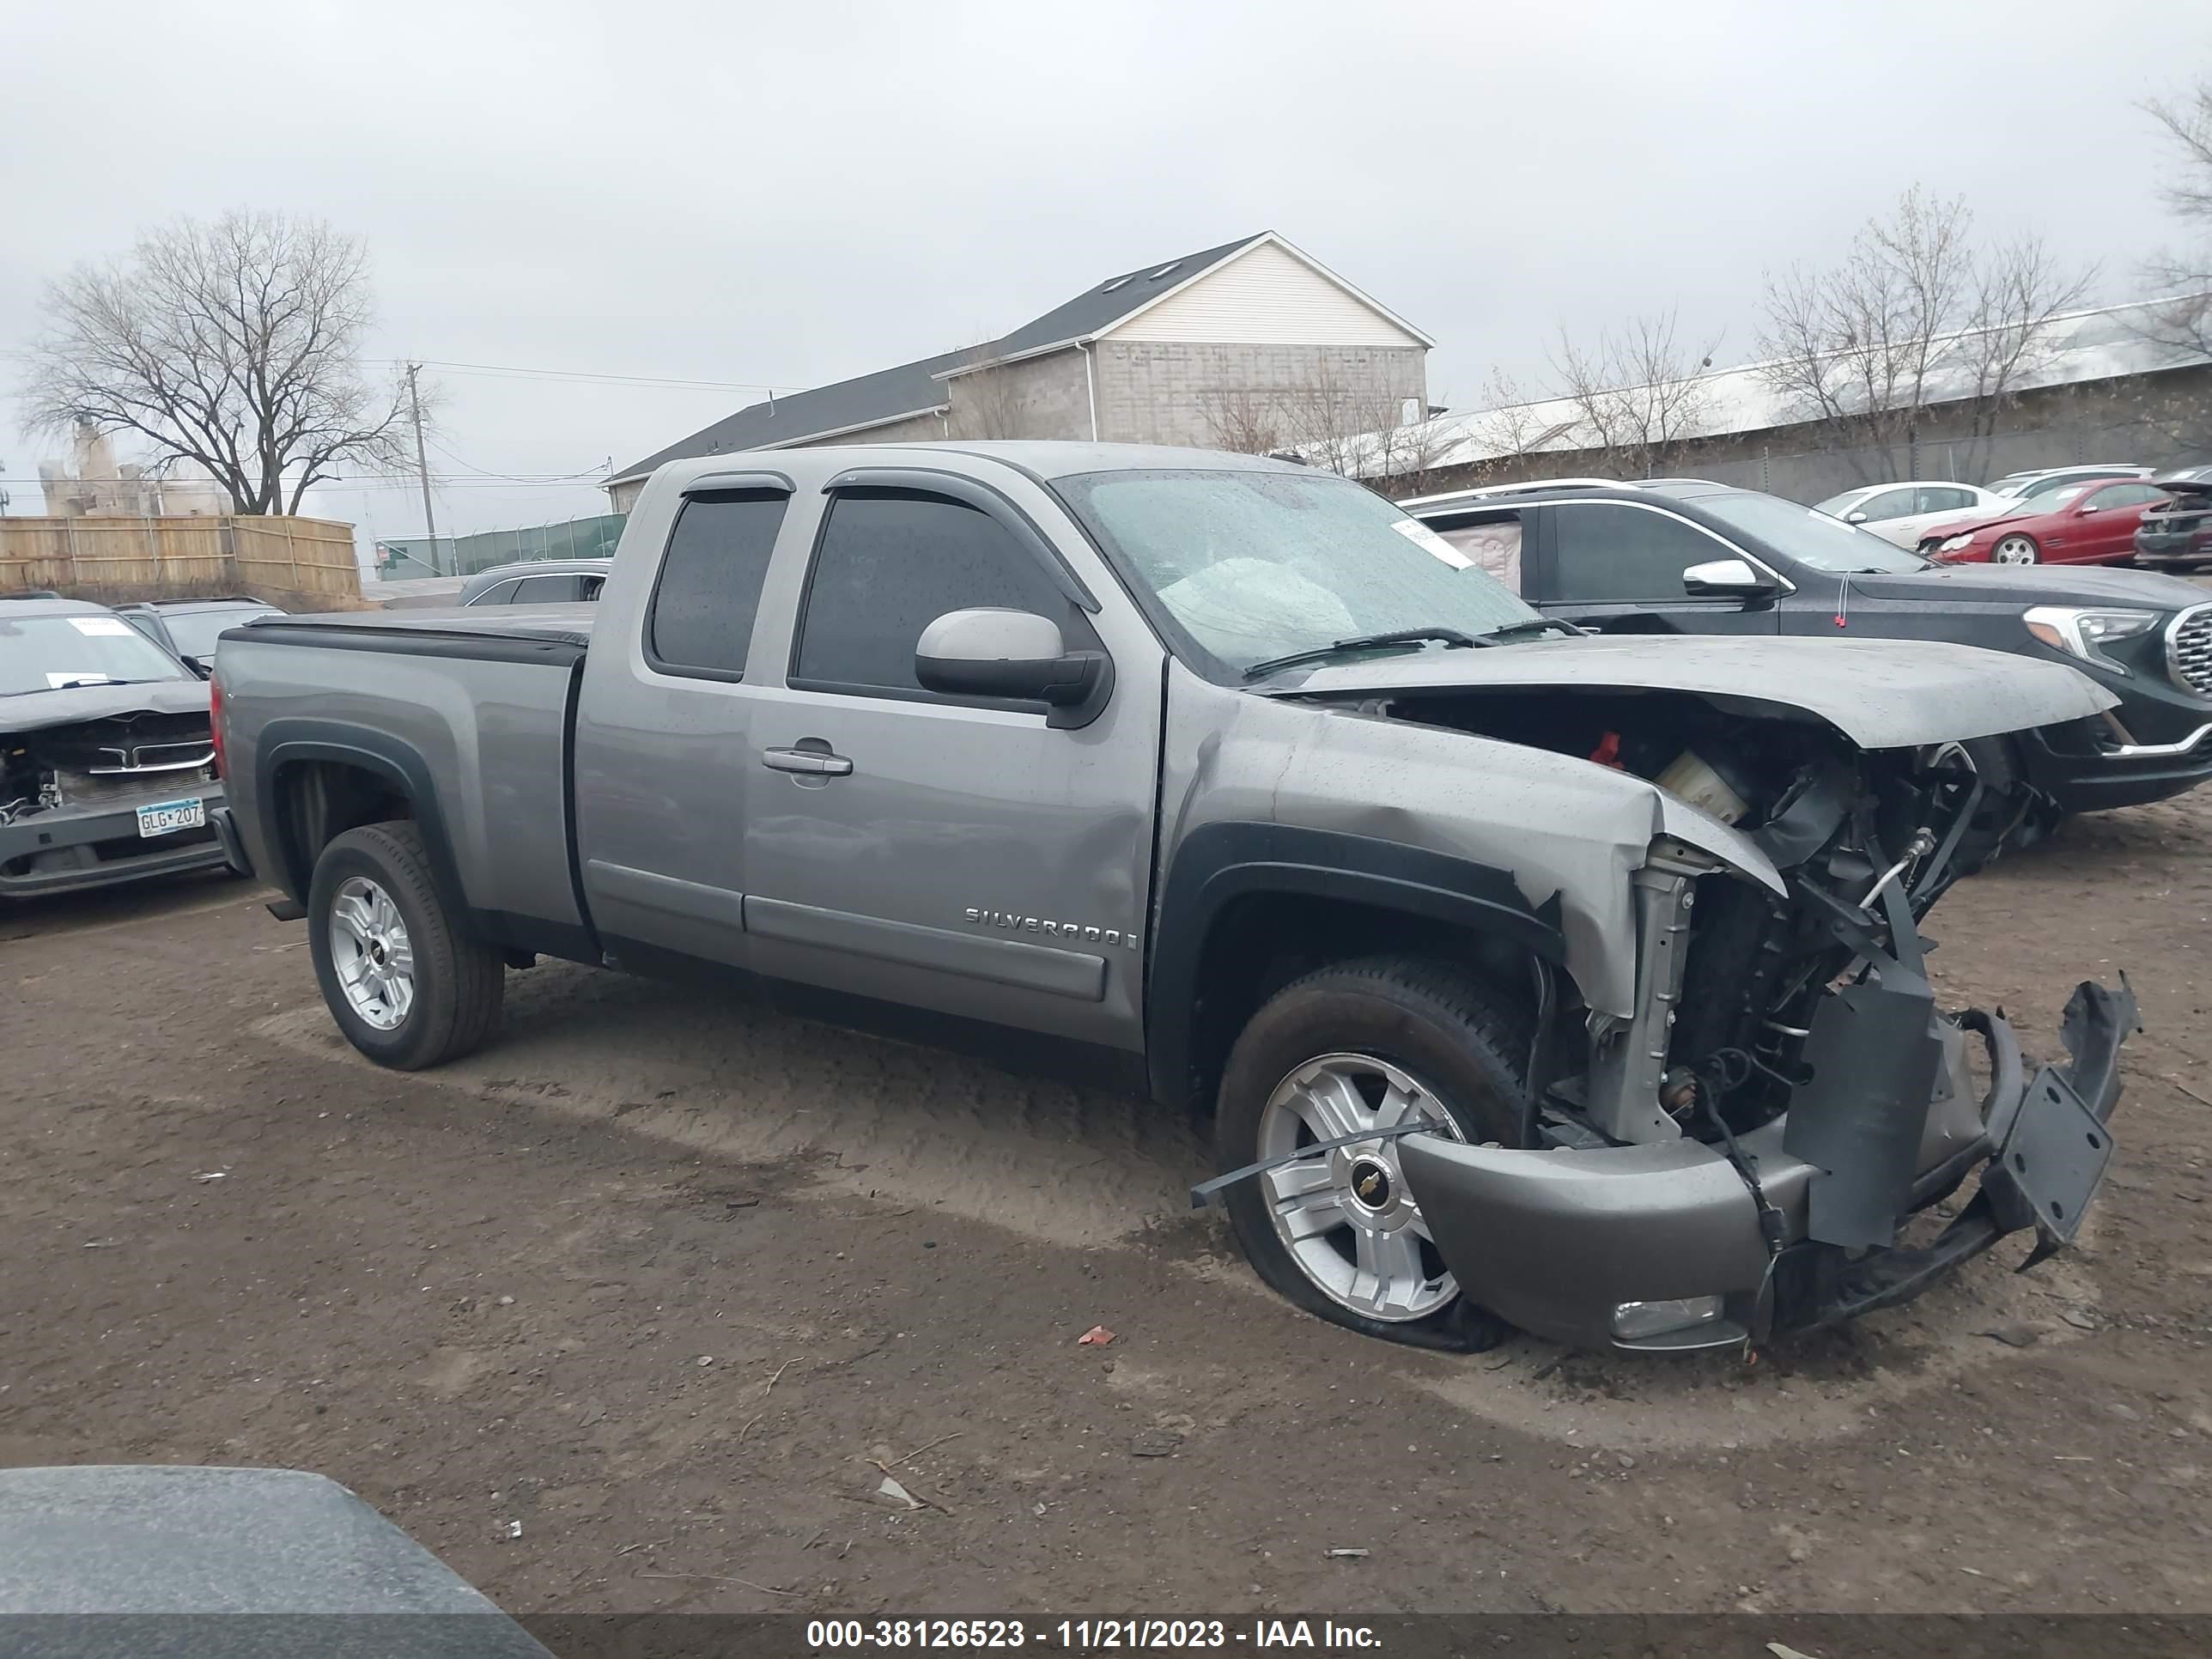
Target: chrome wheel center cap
1372 1186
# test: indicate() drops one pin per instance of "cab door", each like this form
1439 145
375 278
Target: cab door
1616 568
954 853
666 763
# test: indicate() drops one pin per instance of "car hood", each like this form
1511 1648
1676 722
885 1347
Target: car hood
1881 694
37 711
2026 585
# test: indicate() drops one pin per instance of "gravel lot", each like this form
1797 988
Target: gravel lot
654 1279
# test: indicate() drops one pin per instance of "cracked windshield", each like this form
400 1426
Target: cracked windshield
1257 565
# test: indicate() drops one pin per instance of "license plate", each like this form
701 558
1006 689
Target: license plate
165 816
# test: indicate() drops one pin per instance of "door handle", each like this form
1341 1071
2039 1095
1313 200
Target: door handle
817 762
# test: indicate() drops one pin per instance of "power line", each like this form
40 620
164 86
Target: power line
594 472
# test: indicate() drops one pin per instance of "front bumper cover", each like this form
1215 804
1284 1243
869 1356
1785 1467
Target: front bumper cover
73 849
1554 1241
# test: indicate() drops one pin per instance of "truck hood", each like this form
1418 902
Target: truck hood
37 711
2026 585
1881 694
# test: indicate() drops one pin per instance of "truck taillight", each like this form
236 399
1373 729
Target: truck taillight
214 722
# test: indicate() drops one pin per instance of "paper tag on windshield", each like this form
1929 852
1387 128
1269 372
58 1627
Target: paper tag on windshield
56 681
100 627
1429 541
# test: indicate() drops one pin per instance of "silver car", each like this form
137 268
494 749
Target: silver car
541 581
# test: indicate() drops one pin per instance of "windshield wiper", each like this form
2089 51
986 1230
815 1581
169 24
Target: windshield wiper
1449 636
1534 625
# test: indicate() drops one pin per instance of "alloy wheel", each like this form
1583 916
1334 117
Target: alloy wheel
1347 1217
370 950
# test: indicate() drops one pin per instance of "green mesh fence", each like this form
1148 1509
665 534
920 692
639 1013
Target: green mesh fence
401 558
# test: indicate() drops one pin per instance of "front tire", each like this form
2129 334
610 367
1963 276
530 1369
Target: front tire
406 987
2015 550
1363 1045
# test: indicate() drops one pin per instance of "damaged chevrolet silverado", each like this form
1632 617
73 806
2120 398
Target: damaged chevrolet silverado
1532 979
107 760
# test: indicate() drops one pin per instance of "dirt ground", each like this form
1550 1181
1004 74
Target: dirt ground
615 1315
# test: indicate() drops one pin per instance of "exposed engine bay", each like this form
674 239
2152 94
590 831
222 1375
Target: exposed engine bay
1849 829
1752 1003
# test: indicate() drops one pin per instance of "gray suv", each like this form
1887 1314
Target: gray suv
1528 978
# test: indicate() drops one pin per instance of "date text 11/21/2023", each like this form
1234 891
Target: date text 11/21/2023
1087 1635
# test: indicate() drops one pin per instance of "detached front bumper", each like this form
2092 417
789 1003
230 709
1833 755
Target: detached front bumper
74 849
1559 1242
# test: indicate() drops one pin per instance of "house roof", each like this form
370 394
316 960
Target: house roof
865 400
1098 309
917 388
2104 343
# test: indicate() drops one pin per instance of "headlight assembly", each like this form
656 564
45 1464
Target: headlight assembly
2080 633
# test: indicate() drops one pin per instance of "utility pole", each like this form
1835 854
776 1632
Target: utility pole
423 465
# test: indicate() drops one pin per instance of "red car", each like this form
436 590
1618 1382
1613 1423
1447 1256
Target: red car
2090 523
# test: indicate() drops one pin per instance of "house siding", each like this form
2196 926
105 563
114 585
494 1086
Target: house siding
1170 392
1265 296
1046 397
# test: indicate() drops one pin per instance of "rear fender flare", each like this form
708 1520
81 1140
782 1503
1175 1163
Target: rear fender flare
287 742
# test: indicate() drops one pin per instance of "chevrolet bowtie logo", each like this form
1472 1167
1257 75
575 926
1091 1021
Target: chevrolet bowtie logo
1371 1184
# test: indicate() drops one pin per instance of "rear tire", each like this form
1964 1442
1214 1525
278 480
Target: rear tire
1360 1033
406 985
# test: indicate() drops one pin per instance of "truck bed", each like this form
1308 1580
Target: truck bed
466 710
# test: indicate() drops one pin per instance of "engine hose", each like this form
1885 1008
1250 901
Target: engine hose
1772 1226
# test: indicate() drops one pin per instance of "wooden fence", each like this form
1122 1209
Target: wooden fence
301 563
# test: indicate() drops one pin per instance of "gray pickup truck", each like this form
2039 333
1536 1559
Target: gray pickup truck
1532 979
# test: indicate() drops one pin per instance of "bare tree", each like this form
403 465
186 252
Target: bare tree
2183 321
1638 392
1512 422
234 344
2020 289
1916 315
1246 419
1329 418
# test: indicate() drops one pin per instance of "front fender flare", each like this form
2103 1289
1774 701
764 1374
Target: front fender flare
1222 862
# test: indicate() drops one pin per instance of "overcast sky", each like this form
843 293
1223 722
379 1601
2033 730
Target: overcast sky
791 194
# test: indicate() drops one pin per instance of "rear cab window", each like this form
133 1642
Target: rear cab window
700 620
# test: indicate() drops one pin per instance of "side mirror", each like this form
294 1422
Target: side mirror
1017 655
1726 577
1855 518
